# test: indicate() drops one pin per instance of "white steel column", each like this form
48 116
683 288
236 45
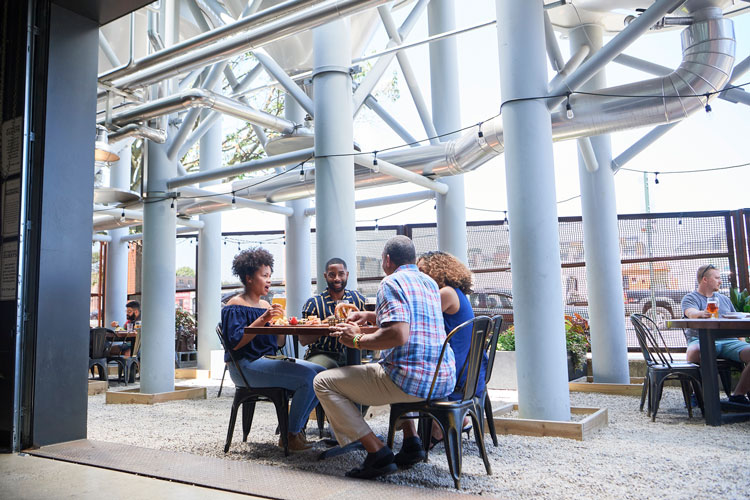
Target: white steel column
117 250
209 258
446 114
297 233
535 246
601 242
334 175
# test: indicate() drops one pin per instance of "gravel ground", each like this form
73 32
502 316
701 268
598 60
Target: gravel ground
675 457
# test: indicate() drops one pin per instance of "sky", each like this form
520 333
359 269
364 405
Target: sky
702 141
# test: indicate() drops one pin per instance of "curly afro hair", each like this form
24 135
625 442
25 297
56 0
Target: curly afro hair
247 262
446 270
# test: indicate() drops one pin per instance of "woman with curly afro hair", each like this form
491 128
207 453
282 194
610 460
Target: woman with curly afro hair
254 267
454 280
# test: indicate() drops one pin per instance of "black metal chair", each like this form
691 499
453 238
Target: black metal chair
128 366
661 366
450 414
724 367
246 396
99 346
484 405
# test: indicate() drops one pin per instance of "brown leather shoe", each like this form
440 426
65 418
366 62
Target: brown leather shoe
296 442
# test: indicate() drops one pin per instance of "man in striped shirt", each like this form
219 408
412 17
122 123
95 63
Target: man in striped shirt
411 333
328 351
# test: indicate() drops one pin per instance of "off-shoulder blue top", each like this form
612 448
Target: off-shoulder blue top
234 318
460 343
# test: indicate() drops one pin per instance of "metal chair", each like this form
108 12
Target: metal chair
128 366
724 367
484 405
661 366
99 346
450 414
246 396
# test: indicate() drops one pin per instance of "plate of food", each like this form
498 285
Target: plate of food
734 315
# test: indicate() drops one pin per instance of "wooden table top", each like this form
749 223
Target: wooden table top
317 331
711 323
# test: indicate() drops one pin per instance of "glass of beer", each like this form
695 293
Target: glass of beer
712 307
370 303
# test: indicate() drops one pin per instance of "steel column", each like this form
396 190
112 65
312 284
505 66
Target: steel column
601 241
535 246
446 114
335 233
209 258
117 253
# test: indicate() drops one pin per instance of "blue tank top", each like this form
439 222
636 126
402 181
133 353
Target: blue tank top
460 343
234 319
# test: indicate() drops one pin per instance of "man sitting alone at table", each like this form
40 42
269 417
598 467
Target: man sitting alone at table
694 306
132 314
328 351
411 333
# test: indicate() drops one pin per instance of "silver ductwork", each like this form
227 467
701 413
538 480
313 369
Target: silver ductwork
708 57
138 130
201 98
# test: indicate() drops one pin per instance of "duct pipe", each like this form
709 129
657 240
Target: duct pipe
138 215
227 199
277 29
601 238
540 337
400 173
385 200
101 237
139 236
137 130
200 98
208 37
242 168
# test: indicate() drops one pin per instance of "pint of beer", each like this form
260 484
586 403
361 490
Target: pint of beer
712 307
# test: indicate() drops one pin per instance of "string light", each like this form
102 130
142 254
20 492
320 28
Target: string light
376 225
122 216
708 106
568 109
656 177
234 202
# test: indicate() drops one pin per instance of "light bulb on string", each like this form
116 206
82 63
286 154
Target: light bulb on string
122 216
234 202
569 109
656 177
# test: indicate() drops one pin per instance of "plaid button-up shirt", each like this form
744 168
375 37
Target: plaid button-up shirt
409 296
322 306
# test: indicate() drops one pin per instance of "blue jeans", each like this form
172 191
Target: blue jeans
297 377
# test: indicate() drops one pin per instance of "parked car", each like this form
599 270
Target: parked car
500 301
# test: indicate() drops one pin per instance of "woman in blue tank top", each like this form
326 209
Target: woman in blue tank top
454 280
253 267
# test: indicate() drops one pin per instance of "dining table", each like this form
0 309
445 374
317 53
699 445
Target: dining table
710 330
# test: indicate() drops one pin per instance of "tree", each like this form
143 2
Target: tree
185 272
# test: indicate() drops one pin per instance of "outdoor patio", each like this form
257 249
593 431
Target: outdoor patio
674 457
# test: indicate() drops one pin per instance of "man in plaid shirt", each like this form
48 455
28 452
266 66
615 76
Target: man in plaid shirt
411 334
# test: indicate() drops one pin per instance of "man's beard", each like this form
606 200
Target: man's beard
340 288
131 317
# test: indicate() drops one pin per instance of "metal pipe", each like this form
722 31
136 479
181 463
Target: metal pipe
241 168
274 30
384 115
553 49
226 199
385 200
137 130
575 60
138 215
276 71
200 98
101 237
388 168
208 37
641 144
409 75
587 154
107 49
139 236
615 46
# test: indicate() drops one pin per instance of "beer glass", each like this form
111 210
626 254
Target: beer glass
712 307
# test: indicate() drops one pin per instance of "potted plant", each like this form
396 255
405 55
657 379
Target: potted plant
186 330
740 300
577 334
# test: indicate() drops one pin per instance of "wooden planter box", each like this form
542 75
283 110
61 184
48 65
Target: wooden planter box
583 429
135 396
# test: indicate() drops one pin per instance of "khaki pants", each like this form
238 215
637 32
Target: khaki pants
340 388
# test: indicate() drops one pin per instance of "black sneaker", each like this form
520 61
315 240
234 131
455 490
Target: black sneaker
411 452
739 399
375 465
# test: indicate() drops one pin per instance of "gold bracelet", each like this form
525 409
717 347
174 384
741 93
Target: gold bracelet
355 340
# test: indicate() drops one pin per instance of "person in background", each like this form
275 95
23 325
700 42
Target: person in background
694 306
328 351
410 330
454 280
132 315
256 359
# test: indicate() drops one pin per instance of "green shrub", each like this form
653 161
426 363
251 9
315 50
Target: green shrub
740 300
506 341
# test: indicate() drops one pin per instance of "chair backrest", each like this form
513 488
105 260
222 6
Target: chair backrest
491 347
479 333
232 359
652 342
99 344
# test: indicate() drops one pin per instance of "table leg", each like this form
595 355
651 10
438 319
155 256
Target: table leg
709 373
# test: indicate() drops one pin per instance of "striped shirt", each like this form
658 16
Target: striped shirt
409 296
322 306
